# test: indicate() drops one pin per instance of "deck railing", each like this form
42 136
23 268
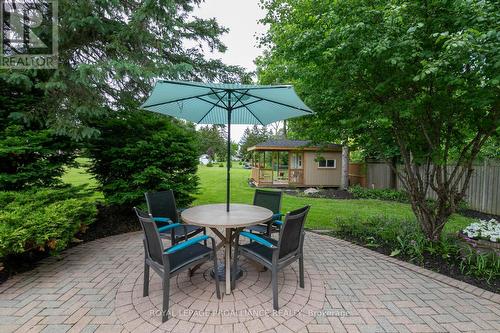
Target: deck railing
296 176
265 176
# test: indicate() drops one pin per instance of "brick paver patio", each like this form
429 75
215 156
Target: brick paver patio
97 287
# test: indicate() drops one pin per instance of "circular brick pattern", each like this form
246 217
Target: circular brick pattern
193 301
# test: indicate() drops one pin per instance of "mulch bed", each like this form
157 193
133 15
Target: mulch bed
478 215
110 220
434 263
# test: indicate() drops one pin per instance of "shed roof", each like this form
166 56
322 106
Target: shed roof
295 145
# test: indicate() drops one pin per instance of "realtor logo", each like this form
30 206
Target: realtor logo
28 34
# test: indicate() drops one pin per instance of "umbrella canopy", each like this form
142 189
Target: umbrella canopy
224 103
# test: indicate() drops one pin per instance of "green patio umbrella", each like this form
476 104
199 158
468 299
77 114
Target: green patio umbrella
225 104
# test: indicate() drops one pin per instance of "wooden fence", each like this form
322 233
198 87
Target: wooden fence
483 193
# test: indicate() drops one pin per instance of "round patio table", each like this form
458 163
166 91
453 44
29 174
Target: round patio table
215 216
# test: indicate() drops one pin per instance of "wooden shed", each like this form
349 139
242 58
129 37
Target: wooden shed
296 163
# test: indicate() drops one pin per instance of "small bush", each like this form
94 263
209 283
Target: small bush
221 165
210 164
42 219
359 192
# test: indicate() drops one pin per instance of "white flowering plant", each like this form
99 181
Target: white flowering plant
483 229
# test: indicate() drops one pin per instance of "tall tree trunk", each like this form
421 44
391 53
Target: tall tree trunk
345 167
393 176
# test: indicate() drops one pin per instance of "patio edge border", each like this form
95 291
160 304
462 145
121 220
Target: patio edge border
461 285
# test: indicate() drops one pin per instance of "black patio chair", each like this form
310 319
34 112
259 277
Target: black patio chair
272 201
174 260
163 209
275 254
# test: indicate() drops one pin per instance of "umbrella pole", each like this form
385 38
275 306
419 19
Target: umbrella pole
228 181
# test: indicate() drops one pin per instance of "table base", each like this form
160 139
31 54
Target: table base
221 272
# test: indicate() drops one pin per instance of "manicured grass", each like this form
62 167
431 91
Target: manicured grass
79 176
324 212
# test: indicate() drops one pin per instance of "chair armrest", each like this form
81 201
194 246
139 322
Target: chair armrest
257 239
185 244
277 216
169 227
162 219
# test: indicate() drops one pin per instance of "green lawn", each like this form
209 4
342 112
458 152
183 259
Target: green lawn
323 214
80 176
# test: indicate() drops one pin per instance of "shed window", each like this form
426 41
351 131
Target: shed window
327 164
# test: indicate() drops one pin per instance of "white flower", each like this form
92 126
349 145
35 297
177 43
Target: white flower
483 229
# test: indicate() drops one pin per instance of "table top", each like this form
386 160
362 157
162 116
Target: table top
215 215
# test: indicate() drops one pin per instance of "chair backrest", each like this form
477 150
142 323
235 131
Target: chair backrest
291 231
268 199
154 246
162 204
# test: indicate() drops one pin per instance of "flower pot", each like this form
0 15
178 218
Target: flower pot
478 245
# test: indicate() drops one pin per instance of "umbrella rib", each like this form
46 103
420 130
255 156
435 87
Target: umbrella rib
239 98
254 115
214 105
209 102
177 100
263 88
250 103
206 114
279 103
220 98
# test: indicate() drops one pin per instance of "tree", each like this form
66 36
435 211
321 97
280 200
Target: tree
415 79
212 141
31 155
251 137
110 53
139 151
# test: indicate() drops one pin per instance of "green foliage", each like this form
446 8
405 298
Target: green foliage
212 140
221 165
110 53
210 165
251 137
41 219
403 238
412 80
30 153
481 265
382 194
141 151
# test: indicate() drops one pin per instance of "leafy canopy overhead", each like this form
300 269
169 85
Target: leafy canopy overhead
416 79
363 64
